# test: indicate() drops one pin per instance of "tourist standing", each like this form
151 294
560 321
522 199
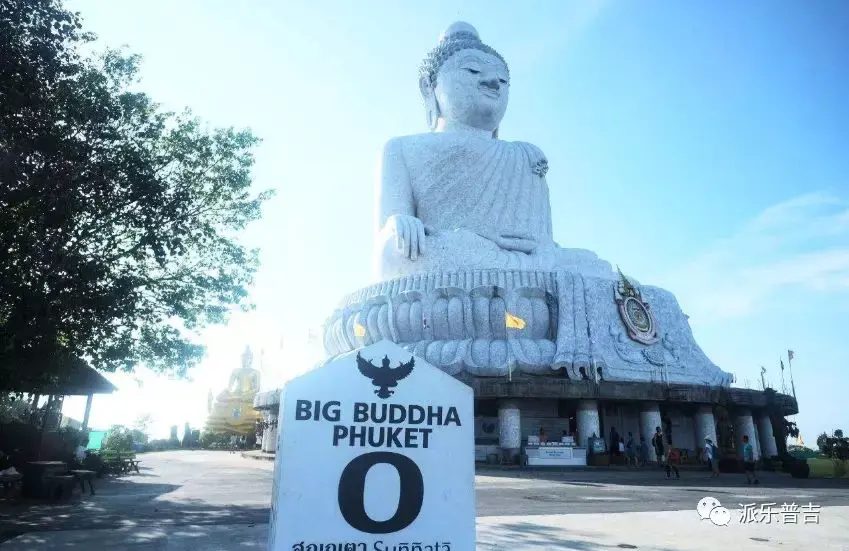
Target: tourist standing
710 457
662 452
657 444
614 441
643 451
749 461
631 451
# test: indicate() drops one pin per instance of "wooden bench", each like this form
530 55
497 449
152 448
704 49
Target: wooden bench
81 476
59 486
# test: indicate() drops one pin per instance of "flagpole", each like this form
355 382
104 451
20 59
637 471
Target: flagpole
790 365
783 387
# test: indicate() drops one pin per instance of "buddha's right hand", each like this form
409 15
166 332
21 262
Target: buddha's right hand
409 233
516 243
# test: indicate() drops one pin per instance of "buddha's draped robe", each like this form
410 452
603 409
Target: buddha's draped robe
471 190
486 186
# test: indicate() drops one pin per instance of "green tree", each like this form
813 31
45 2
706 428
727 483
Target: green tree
143 422
139 437
118 438
118 221
801 452
14 409
822 443
835 446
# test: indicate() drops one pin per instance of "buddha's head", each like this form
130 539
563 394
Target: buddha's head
463 80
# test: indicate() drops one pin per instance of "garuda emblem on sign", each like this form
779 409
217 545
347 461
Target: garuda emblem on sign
385 378
635 312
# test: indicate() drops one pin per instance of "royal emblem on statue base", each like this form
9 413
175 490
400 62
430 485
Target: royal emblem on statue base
635 312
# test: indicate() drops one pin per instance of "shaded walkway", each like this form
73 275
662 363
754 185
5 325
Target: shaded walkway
173 489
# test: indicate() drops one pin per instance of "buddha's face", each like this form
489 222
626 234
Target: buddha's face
472 88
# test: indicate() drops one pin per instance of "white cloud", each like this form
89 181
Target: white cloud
800 243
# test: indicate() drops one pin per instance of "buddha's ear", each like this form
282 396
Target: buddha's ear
425 87
431 106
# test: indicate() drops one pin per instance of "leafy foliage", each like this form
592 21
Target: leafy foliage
119 439
801 452
162 444
139 437
143 422
821 442
211 440
13 409
790 429
117 220
835 446
72 437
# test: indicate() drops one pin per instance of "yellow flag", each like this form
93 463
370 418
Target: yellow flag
513 322
359 330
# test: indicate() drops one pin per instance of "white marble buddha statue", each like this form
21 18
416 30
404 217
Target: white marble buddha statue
459 198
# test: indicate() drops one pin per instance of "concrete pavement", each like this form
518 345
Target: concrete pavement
217 500
647 531
658 531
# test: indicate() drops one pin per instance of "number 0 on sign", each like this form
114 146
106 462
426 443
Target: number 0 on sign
376 453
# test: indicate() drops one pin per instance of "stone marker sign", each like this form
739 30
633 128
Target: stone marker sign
376 452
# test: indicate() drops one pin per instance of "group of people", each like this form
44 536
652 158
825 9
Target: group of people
637 454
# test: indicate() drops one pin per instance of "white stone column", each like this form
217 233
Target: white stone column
588 421
509 427
264 436
768 445
264 442
87 411
649 421
744 426
705 425
269 435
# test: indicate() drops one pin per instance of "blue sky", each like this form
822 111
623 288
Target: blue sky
701 146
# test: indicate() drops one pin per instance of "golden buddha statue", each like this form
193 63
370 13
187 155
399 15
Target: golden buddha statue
232 410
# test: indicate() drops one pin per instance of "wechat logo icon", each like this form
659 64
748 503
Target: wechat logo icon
710 509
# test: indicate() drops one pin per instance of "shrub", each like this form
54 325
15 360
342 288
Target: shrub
800 469
119 439
210 440
162 444
801 452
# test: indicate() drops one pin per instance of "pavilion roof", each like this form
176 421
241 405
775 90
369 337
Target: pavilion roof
78 379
